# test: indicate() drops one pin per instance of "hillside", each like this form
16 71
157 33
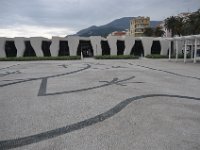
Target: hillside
116 25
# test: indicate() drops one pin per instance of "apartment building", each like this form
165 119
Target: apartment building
138 25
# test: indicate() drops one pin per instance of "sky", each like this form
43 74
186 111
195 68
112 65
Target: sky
49 18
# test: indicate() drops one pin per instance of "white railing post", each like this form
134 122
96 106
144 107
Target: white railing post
195 50
185 51
176 41
170 50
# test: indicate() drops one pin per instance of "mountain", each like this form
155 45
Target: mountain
116 25
153 24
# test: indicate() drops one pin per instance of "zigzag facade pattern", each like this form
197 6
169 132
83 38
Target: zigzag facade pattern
54 45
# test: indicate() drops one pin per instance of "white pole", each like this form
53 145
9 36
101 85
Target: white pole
185 51
169 50
195 50
176 50
192 49
81 54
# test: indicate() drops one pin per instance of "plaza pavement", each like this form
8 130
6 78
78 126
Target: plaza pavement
100 105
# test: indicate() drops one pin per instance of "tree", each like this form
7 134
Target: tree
169 24
174 25
192 24
158 32
179 26
149 31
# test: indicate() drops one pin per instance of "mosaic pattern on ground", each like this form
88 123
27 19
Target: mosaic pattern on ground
113 104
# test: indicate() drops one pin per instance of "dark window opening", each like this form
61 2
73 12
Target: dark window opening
120 47
46 48
155 48
105 48
198 52
64 49
172 48
29 51
10 49
137 49
86 48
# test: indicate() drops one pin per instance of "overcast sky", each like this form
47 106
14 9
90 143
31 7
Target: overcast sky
62 17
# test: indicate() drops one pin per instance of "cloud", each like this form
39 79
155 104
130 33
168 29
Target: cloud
74 15
34 31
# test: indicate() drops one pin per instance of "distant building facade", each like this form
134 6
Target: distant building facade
119 33
138 25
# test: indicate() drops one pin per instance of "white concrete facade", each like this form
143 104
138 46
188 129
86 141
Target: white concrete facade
129 42
164 46
147 43
112 41
2 47
20 46
96 45
73 42
54 47
36 43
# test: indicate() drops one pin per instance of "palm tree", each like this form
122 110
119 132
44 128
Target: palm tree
179 26
174 25
192 25
169 24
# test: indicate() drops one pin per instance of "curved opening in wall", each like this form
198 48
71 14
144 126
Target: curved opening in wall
105 48
29 51
10 49
120 47
63 49
86 48
137 49
156 47
46 48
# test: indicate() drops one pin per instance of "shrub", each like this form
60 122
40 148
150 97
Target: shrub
157 56
116 57
40 58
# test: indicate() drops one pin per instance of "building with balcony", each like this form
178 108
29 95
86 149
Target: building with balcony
138 25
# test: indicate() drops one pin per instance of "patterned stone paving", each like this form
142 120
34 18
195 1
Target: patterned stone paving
90 104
